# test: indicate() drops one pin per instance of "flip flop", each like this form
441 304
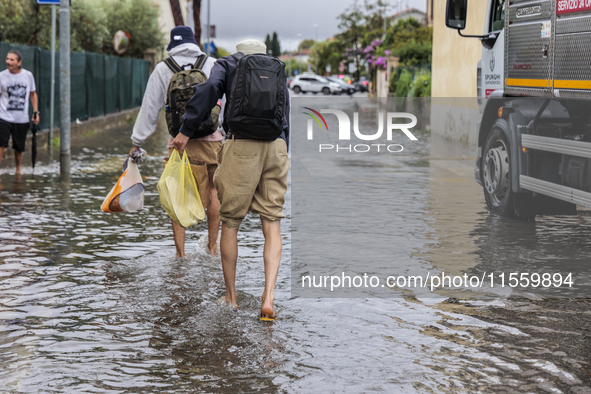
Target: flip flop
264 317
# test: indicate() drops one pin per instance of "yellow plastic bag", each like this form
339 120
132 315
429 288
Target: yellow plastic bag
178 191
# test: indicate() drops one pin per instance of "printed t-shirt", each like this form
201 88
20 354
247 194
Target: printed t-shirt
15 90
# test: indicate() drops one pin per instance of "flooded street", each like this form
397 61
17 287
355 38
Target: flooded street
92 302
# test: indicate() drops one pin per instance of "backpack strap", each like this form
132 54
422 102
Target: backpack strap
174 67
238 56
200 62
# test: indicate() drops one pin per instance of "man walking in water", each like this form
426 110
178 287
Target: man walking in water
17 87
185 53
252 172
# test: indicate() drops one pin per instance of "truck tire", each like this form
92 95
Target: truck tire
496 173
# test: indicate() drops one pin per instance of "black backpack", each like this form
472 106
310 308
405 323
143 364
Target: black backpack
257 97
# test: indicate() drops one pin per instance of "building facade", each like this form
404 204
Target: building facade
455 57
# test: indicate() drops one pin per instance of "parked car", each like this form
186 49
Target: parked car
344 77
362 85
314 83
346 88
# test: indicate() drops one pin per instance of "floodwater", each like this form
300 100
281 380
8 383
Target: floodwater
97 303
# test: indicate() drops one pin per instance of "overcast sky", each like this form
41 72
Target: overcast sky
237 20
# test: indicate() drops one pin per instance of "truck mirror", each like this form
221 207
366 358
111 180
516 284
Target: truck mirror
456 14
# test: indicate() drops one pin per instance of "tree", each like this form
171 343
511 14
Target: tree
177 14
197 20
268 43
93 24
306 44
329 53
221 52
351 21
140 19
88 26
30 24
411 42
275 46
24 22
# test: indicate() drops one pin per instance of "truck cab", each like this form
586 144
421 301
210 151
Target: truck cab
534 86
491 67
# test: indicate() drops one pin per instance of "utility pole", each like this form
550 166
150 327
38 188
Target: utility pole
65 112
316 47
52 98
208 28
386 7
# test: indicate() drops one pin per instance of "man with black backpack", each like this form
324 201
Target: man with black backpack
171 85
253 164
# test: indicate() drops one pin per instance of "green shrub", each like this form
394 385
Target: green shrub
421 85
404 83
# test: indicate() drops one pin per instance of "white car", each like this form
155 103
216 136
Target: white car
314 83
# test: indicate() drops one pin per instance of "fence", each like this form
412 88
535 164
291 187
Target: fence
100 84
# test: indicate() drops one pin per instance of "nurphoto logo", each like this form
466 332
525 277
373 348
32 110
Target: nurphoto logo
344 132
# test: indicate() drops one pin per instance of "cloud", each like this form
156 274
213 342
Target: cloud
237 20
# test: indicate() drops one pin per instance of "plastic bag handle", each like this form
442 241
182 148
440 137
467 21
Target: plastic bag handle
173 157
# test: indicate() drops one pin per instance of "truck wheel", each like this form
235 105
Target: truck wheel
496 174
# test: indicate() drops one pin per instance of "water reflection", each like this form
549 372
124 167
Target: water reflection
95 302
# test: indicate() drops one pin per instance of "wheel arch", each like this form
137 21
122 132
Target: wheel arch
489 116
490 120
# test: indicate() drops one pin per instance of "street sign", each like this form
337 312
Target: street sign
352 68
48 2
328 68
209 48
211 31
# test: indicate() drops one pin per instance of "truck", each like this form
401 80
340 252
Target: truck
534 77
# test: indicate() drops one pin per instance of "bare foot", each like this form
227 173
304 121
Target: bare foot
213 249
228 300
267 307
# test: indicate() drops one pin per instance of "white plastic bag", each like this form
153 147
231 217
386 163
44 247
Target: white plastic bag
128 193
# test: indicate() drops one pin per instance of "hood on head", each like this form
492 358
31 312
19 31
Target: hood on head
189 50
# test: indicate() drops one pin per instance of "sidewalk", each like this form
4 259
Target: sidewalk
100 122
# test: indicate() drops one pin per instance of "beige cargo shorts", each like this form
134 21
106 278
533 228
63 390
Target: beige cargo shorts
203 158
251 176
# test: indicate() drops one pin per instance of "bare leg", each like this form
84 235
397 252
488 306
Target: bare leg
271 257
213 219
229 251
18 159
178 233
1 153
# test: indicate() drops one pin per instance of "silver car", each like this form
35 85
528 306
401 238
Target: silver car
314 83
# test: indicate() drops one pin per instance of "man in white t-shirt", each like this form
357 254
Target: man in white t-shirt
183 49
17 87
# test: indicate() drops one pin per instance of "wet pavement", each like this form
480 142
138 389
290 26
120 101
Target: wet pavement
96 302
